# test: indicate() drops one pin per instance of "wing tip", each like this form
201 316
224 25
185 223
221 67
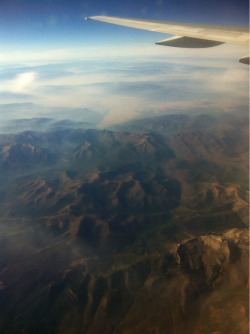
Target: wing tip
93 17
90 18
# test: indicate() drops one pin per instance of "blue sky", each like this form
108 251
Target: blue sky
56 22
51 57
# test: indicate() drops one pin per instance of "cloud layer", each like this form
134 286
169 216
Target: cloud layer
139 82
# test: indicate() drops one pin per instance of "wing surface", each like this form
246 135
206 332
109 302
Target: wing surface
224 34
188 35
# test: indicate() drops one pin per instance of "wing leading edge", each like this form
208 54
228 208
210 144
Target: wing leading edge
188 35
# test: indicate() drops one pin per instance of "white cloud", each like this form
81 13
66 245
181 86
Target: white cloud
22 83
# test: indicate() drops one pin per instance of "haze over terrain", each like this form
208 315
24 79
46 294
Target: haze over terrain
124 172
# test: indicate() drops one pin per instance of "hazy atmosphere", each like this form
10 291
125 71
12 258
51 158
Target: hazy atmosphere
51 57
124 171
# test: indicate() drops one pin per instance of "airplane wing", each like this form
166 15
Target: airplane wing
187 35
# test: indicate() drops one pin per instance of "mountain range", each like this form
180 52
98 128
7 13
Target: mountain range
138 228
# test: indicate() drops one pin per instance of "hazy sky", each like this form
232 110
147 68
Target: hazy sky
50 56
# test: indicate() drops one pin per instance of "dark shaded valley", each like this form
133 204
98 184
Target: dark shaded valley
140 228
